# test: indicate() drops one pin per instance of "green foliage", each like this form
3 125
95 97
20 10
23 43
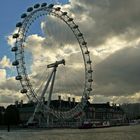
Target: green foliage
132 110
2 110
11 116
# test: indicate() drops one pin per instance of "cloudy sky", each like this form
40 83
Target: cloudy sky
111 28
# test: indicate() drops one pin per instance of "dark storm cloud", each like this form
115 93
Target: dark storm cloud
107 18
57 30
119 74
99 20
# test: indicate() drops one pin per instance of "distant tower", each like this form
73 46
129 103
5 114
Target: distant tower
21 103
59 99
73 100
16 103
69 99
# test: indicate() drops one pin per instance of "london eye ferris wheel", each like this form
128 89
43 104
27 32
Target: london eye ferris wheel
54 60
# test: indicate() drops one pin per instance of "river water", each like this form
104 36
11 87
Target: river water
112 133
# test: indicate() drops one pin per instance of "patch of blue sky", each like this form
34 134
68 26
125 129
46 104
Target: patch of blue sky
10 12
35 27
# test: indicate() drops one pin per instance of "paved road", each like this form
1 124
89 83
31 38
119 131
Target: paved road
112 133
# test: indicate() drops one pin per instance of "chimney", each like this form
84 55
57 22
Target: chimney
59 98
21 103
69 99
16 103
73 100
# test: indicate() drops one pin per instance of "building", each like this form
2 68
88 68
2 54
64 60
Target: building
93 113
105 113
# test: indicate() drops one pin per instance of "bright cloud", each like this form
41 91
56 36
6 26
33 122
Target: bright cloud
10 39
2 75
134 98
5 62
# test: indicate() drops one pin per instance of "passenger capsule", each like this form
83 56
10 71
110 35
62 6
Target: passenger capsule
24 15
75 26
14 49
43 4
23 91
89 89
84 43
37 5
57 9
89 62
90 80
87 52
15 35
64 13
70 19
19 24
50 6
90 71
15 63
87 97
30 9
80 34
19 77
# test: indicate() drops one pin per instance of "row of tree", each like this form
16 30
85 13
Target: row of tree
132 110
9 116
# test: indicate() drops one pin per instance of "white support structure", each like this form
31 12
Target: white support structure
40 105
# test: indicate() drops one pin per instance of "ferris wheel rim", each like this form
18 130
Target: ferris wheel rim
20 37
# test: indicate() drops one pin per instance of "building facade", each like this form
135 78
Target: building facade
105 114
97 114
